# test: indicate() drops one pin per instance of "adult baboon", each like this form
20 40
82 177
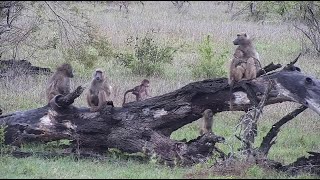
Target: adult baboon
206 122
245 62
59 82
99 91
138 91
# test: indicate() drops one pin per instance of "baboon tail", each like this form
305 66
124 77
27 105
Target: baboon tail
124 97
231 88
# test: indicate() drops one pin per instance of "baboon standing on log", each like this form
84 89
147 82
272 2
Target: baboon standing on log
138 91
206 122
59 82
99 91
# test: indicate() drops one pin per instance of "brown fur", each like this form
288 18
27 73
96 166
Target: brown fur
206 122
245 62
59 82
99 91
138 91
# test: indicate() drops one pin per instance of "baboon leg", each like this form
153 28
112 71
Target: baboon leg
201 132
102 98
251 70
138 97
94 103
238 73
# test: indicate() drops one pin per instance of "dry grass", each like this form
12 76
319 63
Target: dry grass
276 42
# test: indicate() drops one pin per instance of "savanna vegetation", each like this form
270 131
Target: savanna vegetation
172 43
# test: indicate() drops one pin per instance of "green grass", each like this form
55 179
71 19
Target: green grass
63 168
276 42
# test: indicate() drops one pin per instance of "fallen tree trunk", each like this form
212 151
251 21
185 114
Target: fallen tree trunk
146 126
13 68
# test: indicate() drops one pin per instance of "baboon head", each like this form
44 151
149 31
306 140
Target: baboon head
98 75
66 69
145 82
208 113
242 39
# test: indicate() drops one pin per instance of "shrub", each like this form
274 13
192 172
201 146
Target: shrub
84 55
148 57
210 63
87 54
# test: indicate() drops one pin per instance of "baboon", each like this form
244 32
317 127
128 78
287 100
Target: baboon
0 111
59 82
99 91
245 62
206 122
138 91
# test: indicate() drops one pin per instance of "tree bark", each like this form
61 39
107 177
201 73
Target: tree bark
13 68
144 126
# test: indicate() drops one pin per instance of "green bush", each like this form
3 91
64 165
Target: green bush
89 53
148 57
103 47
83 54
211 64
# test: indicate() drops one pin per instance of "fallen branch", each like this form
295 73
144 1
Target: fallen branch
270 67
250 119
61 102
268 140
308 165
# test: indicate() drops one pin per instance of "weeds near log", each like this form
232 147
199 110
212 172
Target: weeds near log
268 140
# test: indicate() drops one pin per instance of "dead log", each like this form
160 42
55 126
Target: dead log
21 154
304 164
14 68
146 126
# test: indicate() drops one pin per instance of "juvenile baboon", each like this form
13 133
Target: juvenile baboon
99 91
138 91
59 82
206 122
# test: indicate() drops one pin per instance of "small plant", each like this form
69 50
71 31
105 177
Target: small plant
148 58
89 53
84 55
210 64
103 47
